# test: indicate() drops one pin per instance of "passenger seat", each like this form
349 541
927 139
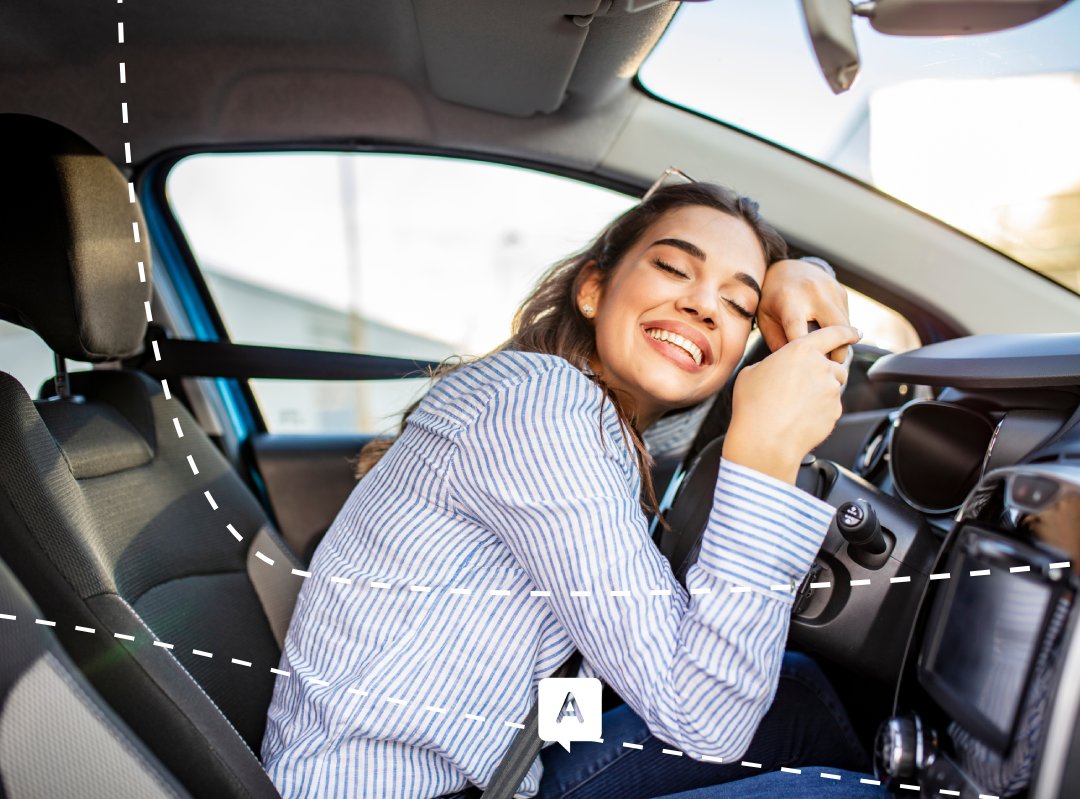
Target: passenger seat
57 738
127 528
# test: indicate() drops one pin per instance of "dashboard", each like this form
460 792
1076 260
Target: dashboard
978 477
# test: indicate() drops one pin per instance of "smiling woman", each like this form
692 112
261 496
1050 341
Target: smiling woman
512 500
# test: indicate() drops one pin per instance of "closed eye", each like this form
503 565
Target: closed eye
740 310
669 268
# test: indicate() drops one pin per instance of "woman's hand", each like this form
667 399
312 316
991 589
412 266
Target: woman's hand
795 292
786 405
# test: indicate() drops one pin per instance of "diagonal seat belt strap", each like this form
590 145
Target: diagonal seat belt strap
525 746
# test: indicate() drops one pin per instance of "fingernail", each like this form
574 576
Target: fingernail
860 333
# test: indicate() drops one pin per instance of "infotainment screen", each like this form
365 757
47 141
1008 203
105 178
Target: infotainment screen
984 635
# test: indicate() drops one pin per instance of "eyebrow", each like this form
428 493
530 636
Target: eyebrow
697 252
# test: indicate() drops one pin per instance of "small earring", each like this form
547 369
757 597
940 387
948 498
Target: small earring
587 309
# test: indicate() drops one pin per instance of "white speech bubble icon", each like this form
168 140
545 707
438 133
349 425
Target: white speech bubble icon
570 709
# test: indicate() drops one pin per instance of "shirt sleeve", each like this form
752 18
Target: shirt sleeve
699 666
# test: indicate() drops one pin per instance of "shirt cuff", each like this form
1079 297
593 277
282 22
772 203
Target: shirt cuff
762 532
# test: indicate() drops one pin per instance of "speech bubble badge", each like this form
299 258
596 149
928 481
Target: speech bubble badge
570 709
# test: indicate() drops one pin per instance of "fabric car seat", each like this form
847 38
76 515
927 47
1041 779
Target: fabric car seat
57 736
127 528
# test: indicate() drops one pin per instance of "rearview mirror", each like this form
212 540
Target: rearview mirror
952 17
832 34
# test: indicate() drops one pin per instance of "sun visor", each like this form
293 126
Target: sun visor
514 57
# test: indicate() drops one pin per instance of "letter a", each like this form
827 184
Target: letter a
569 710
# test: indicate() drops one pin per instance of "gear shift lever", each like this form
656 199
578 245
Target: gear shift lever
859 525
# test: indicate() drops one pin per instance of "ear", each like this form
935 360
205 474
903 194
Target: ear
590 288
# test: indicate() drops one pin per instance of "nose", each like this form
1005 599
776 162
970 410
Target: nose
700 302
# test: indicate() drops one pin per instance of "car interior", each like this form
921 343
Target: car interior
162 490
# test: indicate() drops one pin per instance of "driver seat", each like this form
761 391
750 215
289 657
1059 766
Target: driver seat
126 537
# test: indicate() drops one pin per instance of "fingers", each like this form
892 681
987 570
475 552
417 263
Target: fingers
839 371
795 327
830 338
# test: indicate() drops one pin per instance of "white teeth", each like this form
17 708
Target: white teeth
676 339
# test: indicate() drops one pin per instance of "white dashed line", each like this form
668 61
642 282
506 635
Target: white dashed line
165 388
674 752
712 758
377 584
629 745
163 645
420 589
191 463
340 580
750 764
46 622
941 576
357 691
202 653
461 591
176 425
860 582
905 579
517 726
1064 564
320 683
124 636
433 709
210 499
120 32
127 152
149 313
866 781
539 593
825 775
787 770
157 350
236 534
81 629
947 792
301 573
821 585
980 572
1015 569
242 662
280 672
907 787
264 559
142 272
131 186
474 717
123 78
9 617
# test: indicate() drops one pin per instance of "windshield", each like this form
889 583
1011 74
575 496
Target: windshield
982 132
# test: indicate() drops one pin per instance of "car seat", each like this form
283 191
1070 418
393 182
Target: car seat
127 528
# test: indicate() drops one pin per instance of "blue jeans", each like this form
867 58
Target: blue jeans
805 725
809 784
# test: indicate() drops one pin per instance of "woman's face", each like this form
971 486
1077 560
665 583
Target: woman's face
673 318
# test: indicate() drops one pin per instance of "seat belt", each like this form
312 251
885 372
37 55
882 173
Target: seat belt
170 357
525 746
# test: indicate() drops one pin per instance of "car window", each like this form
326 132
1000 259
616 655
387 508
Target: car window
411 256
28 359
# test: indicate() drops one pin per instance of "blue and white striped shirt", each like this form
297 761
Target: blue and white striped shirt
502 530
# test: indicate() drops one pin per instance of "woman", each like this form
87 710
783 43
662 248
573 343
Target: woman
505 528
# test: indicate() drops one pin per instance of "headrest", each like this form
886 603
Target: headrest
68 255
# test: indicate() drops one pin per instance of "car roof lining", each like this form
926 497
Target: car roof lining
453 74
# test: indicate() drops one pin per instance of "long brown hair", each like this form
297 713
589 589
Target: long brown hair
549 321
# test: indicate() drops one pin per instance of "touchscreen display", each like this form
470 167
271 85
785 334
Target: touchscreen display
989 630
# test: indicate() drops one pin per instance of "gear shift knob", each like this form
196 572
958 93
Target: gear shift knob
859 524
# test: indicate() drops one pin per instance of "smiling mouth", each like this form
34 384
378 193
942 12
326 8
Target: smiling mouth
689 347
